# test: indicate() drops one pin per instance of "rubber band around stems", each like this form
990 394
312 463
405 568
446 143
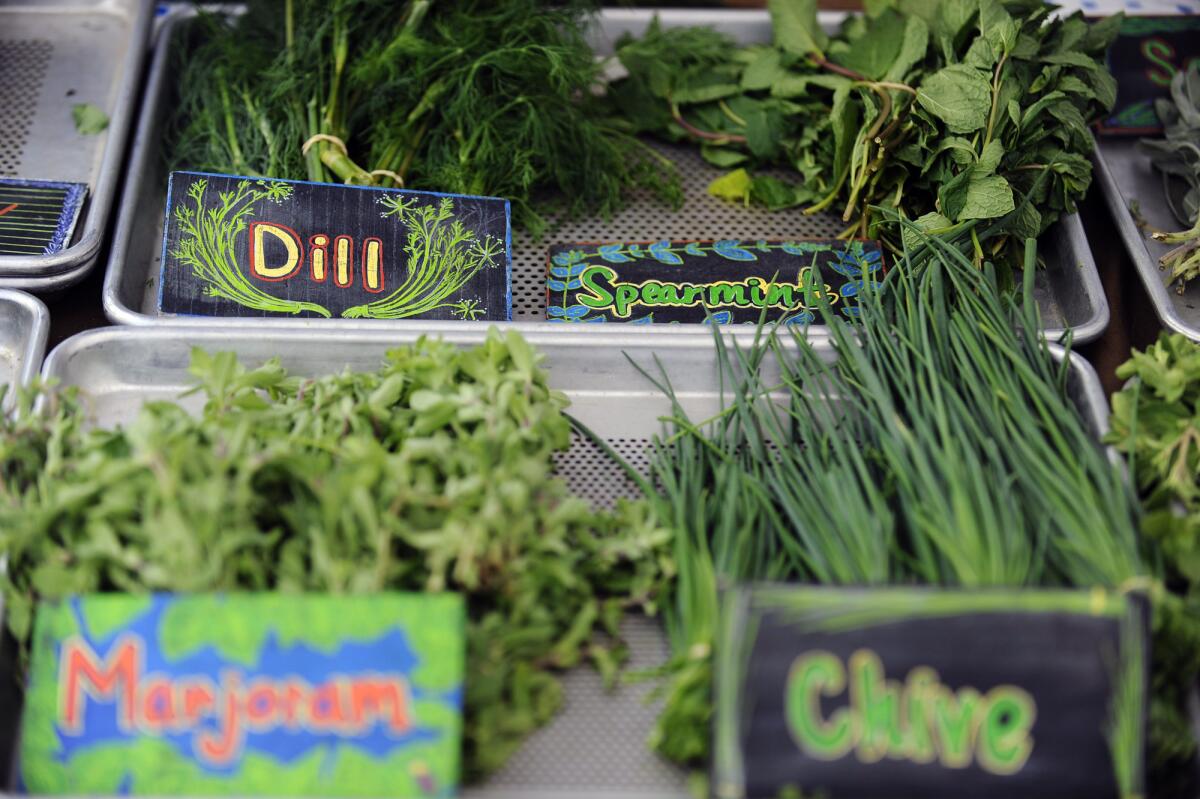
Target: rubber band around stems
334 140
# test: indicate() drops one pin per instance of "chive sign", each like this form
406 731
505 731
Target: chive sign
240 246
931 693
726 281
252 694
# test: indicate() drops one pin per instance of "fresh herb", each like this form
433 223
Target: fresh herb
89 120
1177 157
433 473
950 112
466 97
938 448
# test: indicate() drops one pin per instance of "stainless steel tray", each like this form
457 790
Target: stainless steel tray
596 746
24 323
1069 290
1126 175
53 55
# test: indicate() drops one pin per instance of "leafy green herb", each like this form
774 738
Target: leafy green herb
89 120
433 473
1177 157
466 97
964 108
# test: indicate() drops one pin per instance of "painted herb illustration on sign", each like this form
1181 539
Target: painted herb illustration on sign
715 282
242 246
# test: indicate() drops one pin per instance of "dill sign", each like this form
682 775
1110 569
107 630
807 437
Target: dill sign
931 693
241 246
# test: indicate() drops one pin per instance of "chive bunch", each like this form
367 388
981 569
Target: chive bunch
939 447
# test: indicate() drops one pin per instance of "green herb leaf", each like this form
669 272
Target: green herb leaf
764 71
958 95
89 119
796 28
734 186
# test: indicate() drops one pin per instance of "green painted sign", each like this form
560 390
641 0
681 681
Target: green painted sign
246 694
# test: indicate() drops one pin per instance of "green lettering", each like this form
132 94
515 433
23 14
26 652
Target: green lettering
626 295
954 725
921 683
693 294
1005 745
877 702
652 293
757 295
670 294
1158 52
813 676
727 294
597 296
782 294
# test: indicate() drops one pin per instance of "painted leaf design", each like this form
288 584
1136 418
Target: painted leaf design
558 285
573 312
802 247
802 318
569 257
645 320
732 250
594 320
853 311
763 246
612 253
854 287
719 318
636 251
694 248
568 271
663 255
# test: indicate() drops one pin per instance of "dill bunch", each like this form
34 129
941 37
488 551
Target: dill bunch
466 97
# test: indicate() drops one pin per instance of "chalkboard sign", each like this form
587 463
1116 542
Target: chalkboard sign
38 217
928 694
237 246
245 695
1143 59
722 282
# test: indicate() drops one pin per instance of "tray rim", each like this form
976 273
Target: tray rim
1069 228
34 343
1147 269
70 265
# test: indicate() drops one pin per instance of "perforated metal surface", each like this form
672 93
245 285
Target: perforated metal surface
23 63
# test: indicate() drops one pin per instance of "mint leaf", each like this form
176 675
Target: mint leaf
987 198
997 27
913 47
932 221
958 95
764 71
722 157
873 53
796 28
734 186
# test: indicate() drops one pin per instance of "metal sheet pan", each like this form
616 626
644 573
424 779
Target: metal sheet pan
58 54
24 323
596 746
1126 176
1069 291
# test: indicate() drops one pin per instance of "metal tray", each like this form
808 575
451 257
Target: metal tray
56 54
1126 175
24 323
1069 290
596 746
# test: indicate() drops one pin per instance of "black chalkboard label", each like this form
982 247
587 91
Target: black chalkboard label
38 217
722 282
238 246
916 693
1143 59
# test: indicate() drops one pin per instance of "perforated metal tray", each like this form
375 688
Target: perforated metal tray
24 323
1125 176
1068 290
52 56
596 746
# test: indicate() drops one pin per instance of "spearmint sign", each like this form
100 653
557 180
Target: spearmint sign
253 694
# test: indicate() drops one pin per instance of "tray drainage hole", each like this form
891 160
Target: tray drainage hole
25 63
